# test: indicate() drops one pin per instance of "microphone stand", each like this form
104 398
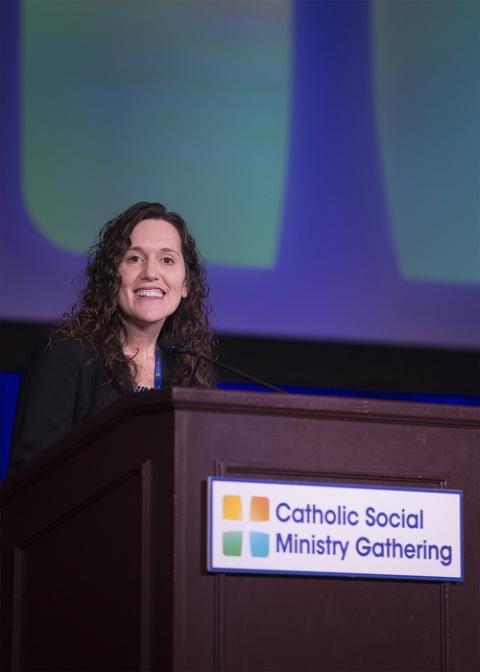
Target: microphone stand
180 350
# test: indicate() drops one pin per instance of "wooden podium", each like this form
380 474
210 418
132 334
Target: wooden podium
103 563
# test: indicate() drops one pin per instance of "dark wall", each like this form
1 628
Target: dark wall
310 364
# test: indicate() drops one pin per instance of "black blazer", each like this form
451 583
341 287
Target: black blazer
65 384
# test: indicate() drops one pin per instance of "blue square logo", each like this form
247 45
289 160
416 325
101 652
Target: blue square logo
259 544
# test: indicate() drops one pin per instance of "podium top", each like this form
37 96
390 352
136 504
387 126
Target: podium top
308 405
176 401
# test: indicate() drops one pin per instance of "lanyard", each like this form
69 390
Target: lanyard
158 370
157 378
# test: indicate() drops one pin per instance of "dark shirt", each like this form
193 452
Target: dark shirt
65 384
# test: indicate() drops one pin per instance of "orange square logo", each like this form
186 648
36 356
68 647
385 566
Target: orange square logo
259 508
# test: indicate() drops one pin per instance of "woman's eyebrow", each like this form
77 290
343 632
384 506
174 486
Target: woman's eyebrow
169 249
136 248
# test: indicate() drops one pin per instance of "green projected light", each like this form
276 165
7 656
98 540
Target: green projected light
425 59
183 102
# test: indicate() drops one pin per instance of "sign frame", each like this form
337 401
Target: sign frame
346 574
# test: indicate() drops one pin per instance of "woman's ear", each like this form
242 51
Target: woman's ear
185 290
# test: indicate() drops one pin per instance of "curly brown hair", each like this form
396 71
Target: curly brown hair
97 319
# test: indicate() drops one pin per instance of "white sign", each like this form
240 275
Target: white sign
308 528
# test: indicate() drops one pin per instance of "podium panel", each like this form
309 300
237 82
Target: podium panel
104 540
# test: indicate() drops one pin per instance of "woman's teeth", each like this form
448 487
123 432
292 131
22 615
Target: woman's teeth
150 292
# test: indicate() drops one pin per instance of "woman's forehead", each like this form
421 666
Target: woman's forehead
156 234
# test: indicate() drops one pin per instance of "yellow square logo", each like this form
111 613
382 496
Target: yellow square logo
232 507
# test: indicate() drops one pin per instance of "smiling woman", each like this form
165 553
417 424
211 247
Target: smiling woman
152 273
145 281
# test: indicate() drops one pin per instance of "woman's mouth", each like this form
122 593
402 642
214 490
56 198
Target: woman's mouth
150 293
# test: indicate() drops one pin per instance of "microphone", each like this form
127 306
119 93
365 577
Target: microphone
176 349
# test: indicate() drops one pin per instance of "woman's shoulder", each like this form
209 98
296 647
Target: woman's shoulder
62 347
62 361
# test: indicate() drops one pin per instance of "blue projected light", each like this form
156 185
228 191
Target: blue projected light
9 387
322 158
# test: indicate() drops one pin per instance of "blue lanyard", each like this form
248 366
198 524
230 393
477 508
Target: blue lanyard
157 379
158 370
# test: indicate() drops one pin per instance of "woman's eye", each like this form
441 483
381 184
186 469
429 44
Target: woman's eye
134 258
168 260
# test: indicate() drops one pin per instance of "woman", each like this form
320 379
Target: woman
145 280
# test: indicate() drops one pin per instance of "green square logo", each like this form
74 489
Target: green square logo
232 543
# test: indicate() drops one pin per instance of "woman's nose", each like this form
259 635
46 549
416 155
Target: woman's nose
150 271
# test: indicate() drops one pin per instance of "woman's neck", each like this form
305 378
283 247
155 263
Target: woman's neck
141 348
140 341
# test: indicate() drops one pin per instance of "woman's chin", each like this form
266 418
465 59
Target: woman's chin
145 322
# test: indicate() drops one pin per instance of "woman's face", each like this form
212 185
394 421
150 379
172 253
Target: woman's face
152 273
